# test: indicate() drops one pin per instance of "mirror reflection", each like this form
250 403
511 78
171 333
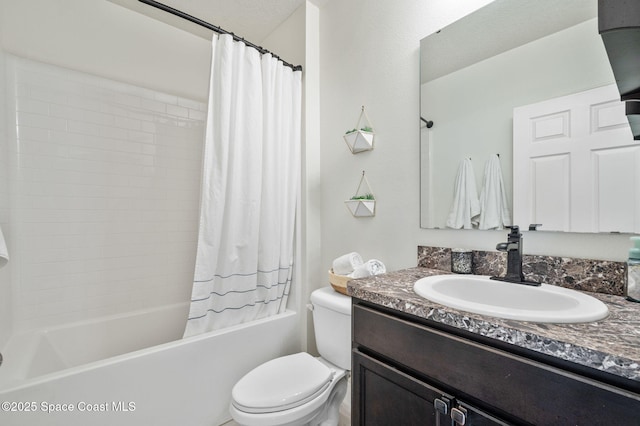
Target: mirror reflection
474 73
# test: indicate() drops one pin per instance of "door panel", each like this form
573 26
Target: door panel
576 166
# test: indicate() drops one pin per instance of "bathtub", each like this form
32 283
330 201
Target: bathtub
93 373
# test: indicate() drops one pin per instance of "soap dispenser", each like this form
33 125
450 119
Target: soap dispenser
632 285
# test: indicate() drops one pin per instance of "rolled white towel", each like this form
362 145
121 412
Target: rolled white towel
347 263
4 253
369 268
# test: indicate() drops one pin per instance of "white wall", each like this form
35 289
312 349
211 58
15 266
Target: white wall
370 56
105 39
288 40
314 270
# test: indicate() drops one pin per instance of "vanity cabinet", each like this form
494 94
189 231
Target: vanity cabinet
407 372
388 396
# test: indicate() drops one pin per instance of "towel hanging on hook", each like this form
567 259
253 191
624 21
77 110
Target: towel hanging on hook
495 212
465 206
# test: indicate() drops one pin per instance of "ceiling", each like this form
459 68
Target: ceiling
252 19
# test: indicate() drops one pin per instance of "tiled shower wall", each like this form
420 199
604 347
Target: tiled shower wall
104 191
5 273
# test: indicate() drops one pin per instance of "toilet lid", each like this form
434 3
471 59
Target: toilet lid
282 383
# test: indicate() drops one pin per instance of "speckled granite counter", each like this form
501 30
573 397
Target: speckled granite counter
611 345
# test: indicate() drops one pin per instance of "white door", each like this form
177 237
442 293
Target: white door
576 165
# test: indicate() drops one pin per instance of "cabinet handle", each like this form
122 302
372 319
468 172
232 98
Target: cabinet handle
459 416
441 405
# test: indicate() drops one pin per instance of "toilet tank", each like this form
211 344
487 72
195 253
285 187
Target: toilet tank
332 324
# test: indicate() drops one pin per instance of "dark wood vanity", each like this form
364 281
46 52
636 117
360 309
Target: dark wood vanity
413 368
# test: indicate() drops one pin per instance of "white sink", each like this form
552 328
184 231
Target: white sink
481 295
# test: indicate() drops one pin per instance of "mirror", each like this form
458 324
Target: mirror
475 71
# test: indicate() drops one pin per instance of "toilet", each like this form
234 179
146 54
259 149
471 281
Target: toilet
300 389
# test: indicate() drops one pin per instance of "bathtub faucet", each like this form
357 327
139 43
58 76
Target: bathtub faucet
513 247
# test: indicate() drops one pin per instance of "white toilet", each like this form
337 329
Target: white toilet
300 389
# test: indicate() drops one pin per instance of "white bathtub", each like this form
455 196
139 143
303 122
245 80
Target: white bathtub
94 373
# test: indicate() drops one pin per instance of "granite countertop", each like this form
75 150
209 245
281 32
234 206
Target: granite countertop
611 345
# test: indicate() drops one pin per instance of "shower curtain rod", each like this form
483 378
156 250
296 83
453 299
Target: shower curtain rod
218 30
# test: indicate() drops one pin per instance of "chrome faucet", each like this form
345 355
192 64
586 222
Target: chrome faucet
513 247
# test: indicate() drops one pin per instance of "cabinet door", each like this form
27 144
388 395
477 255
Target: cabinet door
464 414
383 395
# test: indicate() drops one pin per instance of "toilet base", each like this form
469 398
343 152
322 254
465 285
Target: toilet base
331 414
321 412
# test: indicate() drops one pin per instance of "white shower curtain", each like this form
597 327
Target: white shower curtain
250 182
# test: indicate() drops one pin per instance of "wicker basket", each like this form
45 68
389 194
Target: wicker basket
339 282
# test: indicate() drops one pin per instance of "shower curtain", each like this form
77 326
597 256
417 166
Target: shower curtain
251 174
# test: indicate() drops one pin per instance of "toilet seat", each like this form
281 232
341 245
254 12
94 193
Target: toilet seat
281 384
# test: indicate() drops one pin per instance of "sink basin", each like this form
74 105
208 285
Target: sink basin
481 295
